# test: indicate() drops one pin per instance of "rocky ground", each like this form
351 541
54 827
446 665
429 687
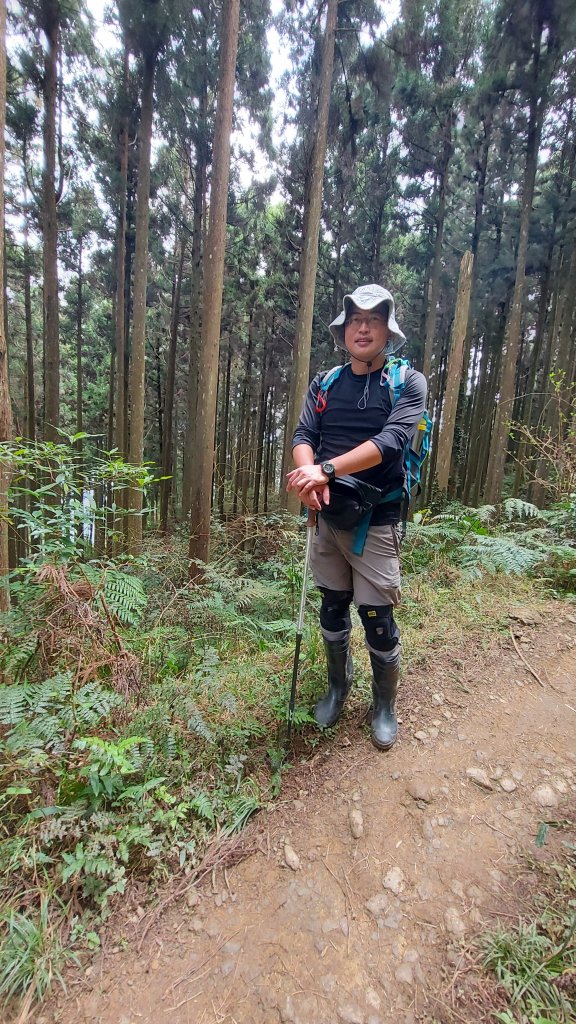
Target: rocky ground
373 872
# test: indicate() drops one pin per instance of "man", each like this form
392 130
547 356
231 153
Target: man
356 432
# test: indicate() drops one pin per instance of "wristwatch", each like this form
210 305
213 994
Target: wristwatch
329 470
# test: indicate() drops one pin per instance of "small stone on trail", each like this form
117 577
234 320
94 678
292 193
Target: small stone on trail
404 974
480 778
508 785
527 616
394 880
350 1015
545 796
421 735
454 923
437 698
356 822
419 790
378 905
291 858
395 775
560 786
373 999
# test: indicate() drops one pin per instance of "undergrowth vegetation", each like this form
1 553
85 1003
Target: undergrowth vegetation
535 962
141 716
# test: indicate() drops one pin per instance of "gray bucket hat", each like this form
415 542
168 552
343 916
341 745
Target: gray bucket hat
368 296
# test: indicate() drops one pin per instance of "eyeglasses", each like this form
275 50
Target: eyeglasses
371 321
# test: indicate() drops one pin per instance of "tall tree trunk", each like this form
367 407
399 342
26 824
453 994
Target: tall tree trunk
167 448
138 362
120 310
270 447
195 329
5 408
434 281
223 435
454 372
261 428
30 383
79 340
213 264
309 255
51 191
499 441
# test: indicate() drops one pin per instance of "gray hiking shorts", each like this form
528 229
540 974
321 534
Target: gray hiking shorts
374 576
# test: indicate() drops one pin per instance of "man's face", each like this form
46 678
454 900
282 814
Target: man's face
366 332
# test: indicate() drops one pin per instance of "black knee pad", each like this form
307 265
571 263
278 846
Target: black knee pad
335 609
382 633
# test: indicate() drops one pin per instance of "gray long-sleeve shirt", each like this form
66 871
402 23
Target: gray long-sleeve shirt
344 425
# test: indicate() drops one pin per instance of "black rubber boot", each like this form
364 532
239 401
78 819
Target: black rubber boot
340 668
386 675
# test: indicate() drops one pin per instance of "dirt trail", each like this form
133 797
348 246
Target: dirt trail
363 930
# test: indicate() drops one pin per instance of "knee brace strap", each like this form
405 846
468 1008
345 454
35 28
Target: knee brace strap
335 609
382 633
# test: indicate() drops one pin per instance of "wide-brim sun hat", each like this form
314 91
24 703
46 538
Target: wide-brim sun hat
368 296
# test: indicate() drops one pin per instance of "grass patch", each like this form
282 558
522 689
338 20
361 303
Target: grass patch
535 962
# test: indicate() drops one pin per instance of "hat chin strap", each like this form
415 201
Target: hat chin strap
368 362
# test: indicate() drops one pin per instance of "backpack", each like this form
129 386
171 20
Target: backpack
393 376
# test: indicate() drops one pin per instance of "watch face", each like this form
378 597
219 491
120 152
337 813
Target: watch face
328 469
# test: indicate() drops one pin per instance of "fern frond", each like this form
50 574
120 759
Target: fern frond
13 704
500 554
125 596
197 724
516 508
19 655
203 807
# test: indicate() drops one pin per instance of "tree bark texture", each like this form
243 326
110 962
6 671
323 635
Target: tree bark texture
195 328
434 282
120 310
454 372
167 447
309 255
499 440
138 361
5 407
51 191
213 282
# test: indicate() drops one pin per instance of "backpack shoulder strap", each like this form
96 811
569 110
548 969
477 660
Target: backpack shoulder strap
394 377
329 378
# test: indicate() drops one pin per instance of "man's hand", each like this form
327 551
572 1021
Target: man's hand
311 485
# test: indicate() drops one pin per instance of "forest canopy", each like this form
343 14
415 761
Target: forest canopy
437 146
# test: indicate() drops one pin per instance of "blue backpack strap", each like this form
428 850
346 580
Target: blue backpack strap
394 377
329 378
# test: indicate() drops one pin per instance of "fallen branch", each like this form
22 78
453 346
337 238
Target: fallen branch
527 663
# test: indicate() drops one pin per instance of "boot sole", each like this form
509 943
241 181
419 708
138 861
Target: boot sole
383 746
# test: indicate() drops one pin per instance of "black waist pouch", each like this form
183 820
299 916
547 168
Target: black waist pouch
351 500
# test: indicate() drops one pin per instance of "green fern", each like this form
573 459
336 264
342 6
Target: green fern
500 554
20 653
13 704
515 508
125 596
43 714
204 807
197 724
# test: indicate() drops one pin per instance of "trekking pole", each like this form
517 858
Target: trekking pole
311 522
